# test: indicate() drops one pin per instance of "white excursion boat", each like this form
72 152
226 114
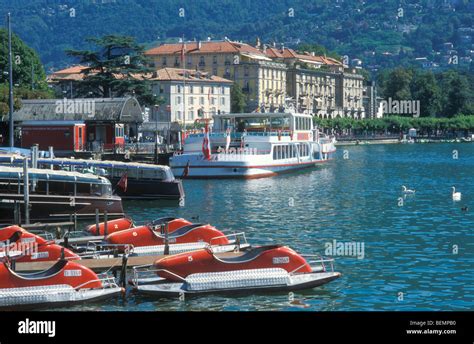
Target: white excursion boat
253 145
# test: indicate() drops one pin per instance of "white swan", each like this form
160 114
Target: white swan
407 191
456 195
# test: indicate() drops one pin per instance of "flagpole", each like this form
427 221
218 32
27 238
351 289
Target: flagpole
10 77
184 89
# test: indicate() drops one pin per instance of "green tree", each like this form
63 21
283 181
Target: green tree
457 96
425 89
118 67
237 99
397 85
28 72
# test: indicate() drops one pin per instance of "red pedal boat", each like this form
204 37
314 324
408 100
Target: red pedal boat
269 268
64 283
185 264
152 235
112 226
33 247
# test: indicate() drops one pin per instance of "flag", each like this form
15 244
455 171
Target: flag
227 140
206 145
186 170
123 182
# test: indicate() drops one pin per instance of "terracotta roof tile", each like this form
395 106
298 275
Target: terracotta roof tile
177 74
206 48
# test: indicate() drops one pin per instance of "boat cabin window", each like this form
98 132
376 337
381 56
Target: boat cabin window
134 173
303 150
52 187
101 189
261 124
284 152
302 123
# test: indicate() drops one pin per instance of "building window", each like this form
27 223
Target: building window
214 59
178 100
201 61
178 114
162 89
214 71
164 61
212 89
202 89
191 100
222 101
201 101
246 71
191 89
213 101
178 88
190 60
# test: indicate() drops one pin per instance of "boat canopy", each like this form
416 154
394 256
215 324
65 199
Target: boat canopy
52 175
102 164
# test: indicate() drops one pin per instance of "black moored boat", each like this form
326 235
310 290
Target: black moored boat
55 195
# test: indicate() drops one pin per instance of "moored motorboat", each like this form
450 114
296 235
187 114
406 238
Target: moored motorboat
54 195
33 247
62 284
265 268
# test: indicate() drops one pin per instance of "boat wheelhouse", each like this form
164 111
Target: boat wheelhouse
55 195
254 145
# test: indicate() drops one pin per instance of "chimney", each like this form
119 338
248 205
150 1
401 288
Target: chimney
257 43
264 48
199 45
282 47
313 54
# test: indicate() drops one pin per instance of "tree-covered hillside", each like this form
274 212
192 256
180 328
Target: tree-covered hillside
381 33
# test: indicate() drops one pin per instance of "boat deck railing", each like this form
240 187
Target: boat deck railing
239 134
239 238
317 259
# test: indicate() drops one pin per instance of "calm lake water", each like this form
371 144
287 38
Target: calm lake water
423 248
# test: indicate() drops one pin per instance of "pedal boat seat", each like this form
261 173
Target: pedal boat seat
247 256
179 232
52 271
162 221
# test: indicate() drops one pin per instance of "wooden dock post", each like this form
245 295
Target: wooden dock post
51 155
97 231
166 250
26 191
75 220
106 218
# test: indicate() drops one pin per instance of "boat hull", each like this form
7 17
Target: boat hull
202 169
150 189
301 282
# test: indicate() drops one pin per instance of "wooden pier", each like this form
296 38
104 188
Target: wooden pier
97 265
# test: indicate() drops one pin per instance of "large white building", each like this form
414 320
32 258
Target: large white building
189 95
